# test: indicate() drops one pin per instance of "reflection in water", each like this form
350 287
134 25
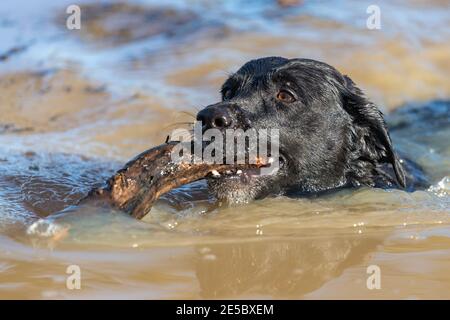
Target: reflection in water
277 268
77 105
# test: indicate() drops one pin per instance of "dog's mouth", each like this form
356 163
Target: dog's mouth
267 167
244 185
242 175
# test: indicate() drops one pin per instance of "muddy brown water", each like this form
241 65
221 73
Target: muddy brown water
76 105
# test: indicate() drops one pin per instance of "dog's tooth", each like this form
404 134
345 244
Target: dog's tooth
270 160
239 172
228 172
215 173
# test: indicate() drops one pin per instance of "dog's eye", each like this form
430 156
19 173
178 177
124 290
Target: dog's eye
285 96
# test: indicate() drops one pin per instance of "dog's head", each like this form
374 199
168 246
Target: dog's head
330 134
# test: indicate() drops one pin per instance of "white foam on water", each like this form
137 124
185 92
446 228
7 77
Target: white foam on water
442 188
45 228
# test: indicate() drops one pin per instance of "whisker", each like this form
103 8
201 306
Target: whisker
190 136
178 124
228 73
188 113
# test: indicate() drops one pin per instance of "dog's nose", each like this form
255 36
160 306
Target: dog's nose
215 117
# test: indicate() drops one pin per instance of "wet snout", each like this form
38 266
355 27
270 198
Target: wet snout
218 116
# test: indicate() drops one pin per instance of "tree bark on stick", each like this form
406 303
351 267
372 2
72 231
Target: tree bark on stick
135 187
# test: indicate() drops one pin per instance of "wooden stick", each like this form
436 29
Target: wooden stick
136 186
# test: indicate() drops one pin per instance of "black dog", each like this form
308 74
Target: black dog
331 135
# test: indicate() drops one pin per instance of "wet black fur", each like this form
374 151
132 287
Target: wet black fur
331 137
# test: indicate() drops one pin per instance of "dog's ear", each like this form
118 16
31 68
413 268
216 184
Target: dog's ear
366 115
